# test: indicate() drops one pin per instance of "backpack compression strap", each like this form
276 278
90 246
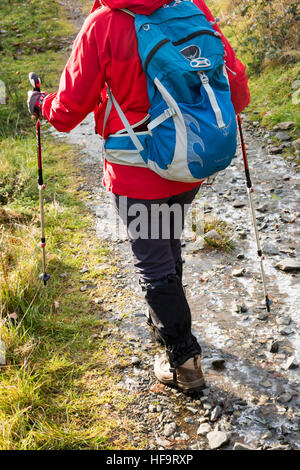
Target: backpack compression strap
112 100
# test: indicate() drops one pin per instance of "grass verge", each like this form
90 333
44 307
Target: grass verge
58 385
274 93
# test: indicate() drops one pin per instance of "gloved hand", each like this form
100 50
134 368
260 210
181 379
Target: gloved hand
35 101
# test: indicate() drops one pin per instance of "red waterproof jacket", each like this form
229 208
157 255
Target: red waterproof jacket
106 52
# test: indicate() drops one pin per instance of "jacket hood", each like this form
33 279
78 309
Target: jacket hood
142 7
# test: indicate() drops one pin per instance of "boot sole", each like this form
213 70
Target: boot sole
195 386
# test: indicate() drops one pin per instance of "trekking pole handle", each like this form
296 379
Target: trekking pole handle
35 81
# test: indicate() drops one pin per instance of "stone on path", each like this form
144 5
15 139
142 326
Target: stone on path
216 439
284 398
212 235
274 150
290 363
204 429
169 429
284 126
270 249
216 413
239 272
240 446
296 144
218 363
285 330
283 136
288 265
238 204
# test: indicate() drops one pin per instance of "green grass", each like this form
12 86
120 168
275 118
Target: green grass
272 96
58 387
271 87
222 228
31 35
57 379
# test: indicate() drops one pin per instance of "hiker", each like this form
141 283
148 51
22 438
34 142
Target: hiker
104 74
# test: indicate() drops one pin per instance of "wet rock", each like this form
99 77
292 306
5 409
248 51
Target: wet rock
240 446
216 439
242 308
266 384
216 413
283 136
204 429
262 316
296 144
284 398
270 249
238 204
284 320
275 150
169 429
218 363
290 363
285 330
284 126
288 219
273 346
288 265
239 272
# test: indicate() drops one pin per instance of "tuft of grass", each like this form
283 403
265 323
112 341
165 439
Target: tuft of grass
222 228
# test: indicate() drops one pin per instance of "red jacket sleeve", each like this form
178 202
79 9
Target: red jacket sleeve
80 84
238 81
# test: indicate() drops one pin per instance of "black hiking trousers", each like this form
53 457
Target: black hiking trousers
154 228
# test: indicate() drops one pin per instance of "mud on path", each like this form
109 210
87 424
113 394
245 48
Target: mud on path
250 358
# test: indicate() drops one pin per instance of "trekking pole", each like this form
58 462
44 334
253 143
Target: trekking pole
36 85
250 190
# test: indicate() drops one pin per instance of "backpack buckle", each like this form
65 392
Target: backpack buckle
170 112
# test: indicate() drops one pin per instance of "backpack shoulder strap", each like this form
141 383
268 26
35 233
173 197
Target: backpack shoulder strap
129 12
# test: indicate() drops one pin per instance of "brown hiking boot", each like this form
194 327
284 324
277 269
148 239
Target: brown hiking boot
187 377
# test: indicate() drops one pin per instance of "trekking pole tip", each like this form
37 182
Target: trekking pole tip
268 303
44 277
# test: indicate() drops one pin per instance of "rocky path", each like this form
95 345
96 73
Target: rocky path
250 357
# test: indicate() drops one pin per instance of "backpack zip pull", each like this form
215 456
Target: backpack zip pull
233 73
212 98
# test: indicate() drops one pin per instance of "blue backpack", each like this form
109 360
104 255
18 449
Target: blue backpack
192 129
